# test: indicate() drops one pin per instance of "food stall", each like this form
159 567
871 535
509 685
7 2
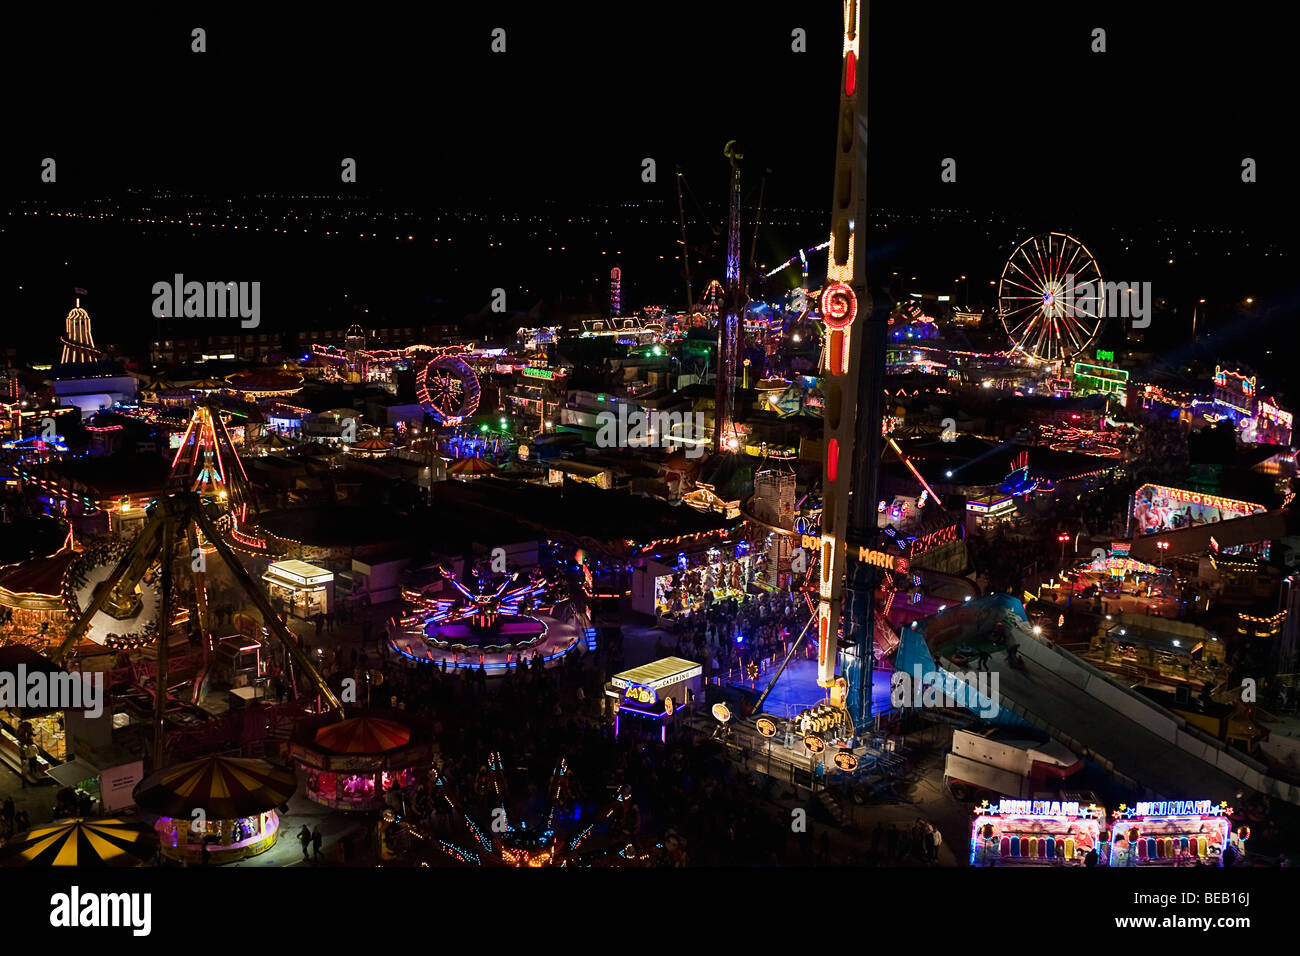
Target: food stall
307 589
28 732
109 789
654 691
1035 832
240 660
1173 833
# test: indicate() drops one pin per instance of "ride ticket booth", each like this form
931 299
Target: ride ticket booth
654 691
1035 832
1173 833
307 589
240 660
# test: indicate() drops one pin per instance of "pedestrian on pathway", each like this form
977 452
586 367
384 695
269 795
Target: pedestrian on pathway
316 842
304 837
983 660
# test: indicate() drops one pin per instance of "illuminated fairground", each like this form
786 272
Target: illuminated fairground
494 626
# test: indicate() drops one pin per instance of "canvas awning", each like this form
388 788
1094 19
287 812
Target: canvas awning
72 773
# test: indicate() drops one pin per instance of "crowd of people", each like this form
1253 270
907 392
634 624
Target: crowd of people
729 635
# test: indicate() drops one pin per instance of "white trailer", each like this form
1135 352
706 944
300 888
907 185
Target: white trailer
990 763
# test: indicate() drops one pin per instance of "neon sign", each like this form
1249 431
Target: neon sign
642 695
1040 808
937 539
1175 808
1208 501
884 560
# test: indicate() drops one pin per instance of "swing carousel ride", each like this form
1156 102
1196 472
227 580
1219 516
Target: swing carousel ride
494 626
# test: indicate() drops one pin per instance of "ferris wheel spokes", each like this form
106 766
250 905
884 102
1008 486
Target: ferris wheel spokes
1039 307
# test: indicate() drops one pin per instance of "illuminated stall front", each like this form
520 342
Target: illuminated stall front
307 589
695 580
1035 832
654 691
31 727
1157 509
1173 833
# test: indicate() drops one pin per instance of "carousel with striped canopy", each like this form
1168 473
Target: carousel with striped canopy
354 764
227 804
108 842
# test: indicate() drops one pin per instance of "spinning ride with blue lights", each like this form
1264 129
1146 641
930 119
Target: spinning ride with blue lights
513 843
492 619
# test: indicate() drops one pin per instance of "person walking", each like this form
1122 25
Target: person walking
317 840
304 837
983 660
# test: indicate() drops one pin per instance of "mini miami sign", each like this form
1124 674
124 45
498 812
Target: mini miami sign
1176 808
1058 809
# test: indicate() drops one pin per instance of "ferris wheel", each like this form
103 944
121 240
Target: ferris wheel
448 388
1050 297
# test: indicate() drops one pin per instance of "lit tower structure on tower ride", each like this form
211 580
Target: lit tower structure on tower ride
729 327
852 443
615 292
78 343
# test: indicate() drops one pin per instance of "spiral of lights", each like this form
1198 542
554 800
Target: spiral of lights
839 306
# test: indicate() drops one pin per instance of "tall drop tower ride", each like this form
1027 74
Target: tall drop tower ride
855 338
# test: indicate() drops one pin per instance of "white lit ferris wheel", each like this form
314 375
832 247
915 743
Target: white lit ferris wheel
1050 297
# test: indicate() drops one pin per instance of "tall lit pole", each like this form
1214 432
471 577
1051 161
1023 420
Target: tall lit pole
729 327
846 309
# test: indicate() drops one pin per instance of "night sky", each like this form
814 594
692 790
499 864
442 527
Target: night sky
1046 134
1011 91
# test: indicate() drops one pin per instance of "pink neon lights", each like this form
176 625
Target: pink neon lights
850 73
832 459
